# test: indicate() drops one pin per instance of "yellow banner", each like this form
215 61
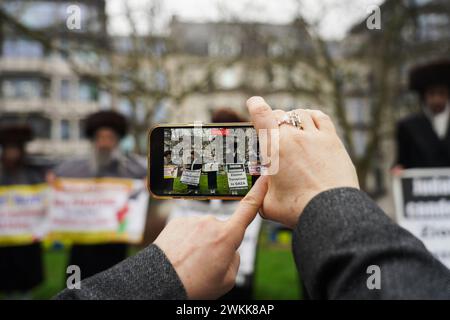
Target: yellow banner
98 210
23 210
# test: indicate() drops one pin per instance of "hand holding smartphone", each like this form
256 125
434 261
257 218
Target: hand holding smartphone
208 161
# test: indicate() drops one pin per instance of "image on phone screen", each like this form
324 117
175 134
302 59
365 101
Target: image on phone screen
210 161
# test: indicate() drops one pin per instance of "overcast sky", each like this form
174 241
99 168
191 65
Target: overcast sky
335 16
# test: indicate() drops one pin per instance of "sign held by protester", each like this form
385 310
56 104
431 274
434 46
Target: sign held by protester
422 200
237 179
170 171
97 210
191 177
23 211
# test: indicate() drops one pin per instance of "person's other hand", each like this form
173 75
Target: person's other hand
203 250
311 160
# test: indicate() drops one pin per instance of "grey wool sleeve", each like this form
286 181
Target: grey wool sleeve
342 232
148 275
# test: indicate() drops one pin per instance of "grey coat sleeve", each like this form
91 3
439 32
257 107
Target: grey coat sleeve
342 232
147 275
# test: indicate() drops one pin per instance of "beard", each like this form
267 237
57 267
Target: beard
103 157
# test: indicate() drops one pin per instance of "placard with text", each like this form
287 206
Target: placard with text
422 201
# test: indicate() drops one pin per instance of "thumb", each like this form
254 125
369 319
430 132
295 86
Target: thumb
247 210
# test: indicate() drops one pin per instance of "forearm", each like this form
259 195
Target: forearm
342 232
147 275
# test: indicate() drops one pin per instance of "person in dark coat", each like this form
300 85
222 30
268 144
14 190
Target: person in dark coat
20 265
105 129
423 139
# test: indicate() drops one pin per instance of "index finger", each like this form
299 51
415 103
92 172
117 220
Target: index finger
247 210
264 120
261 113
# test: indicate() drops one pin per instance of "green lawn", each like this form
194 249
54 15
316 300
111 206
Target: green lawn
222 185
275 273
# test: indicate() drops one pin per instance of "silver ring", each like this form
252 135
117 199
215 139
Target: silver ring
291 118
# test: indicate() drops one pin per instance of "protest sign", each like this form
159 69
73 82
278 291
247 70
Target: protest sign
422 199
170 171
97 210
254 170
210 167
191 177
237 179
22 213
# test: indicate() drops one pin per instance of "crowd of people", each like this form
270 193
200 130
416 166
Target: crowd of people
21 265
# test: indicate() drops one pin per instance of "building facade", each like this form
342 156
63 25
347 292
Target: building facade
38 84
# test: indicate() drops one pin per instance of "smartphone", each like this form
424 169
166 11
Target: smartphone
207 161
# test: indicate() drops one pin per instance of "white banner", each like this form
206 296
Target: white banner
97 210
422 200
254 170
210 167
170 171
237 179
23 210
191 177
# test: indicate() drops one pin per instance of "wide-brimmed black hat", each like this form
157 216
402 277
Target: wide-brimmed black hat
106 119
433 73
18 134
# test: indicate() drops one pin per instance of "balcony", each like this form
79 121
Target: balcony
48 106
47 66
59 149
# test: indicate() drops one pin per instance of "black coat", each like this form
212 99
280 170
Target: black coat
21 266
418 145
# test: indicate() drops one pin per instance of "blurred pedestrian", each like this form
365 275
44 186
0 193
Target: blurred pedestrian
423 139
169 166
20 265
105 129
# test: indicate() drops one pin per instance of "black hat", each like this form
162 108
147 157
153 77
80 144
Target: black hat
15 134
434 73
226 115
108 119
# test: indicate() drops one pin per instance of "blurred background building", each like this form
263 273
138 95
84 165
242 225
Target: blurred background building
38 84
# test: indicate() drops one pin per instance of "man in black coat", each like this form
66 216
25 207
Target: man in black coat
20 264
340 235
423 139
105 129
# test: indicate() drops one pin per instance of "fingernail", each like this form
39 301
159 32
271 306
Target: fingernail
255 100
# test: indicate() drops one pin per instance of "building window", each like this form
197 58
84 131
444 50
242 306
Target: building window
82 129
105 99
358 111
125 107
227 46
360 139
433 26
64 91
40 125
46 14
65 130
22 48
88 91
25 88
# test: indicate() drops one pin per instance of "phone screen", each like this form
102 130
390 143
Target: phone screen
209 161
